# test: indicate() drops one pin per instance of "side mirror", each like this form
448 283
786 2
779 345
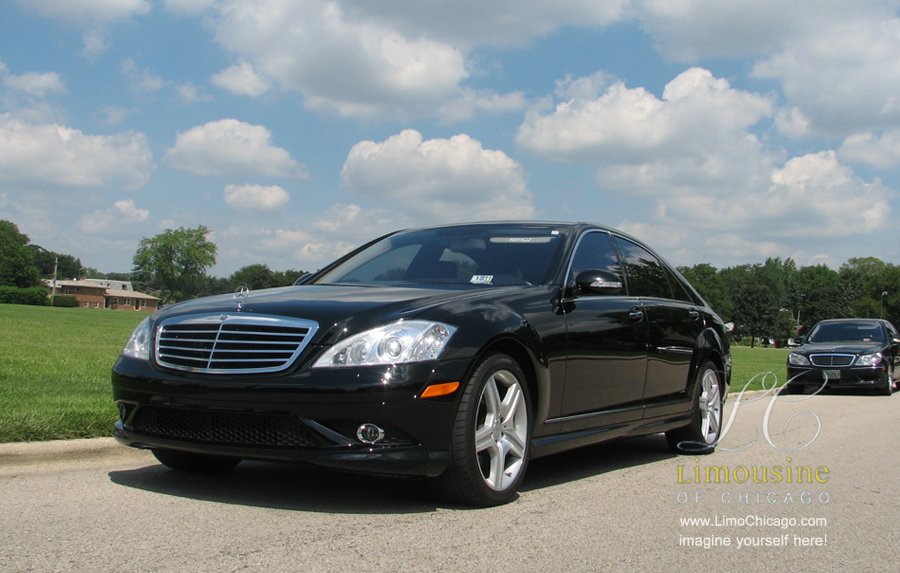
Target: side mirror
598 282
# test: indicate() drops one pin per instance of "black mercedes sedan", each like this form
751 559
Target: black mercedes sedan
456 353
844 353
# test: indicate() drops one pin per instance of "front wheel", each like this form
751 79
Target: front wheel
491 434
701 435
194 463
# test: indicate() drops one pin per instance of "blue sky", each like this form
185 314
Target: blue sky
718 132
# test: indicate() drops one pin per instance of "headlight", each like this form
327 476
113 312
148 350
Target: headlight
798 360
138 345
869 359
396 343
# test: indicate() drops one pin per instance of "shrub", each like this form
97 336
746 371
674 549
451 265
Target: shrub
65 301
35 295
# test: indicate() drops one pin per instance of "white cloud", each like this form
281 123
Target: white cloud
331 234
881 151
95 15
188 6
696 113
95 43
142 83
189 93
241 79
344 59
231 147
846 77
468 23
256 197
112 115
122 216
55 154
35 84
89 10
439 179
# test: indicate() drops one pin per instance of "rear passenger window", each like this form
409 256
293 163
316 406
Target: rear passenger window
644 273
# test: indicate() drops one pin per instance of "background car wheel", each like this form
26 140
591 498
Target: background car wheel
699 437
195 463
490 441
794 389
889 389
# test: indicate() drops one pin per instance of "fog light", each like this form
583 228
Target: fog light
369 434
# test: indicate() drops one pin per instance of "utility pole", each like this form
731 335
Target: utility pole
53 291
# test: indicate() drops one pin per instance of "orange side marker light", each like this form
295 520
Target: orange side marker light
436 390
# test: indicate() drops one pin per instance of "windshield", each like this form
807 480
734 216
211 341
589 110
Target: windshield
847 332
473 254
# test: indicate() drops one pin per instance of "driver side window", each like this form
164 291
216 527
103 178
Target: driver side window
594 252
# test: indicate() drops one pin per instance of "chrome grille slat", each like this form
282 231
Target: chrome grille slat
835 360
231 343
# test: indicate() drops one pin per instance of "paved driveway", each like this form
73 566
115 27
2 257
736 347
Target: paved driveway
624 506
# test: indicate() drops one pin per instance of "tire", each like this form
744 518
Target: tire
490 443
889 389
195 463
700 436
794 389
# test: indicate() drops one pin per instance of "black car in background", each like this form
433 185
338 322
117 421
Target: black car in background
455 353
846 353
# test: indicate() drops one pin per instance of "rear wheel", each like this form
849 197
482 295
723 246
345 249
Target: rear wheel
195 463
700 436
491 434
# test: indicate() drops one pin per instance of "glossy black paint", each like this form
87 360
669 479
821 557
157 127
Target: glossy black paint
880 375
599 364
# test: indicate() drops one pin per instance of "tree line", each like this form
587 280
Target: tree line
172 265
777 299
773 300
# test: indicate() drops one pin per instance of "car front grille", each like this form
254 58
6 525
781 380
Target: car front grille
226 428
232 344
832 360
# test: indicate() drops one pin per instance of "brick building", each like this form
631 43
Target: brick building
102 293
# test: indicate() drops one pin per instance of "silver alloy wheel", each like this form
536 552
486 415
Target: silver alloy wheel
501 430
710 406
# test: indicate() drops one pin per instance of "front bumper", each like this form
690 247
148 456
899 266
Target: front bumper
309 416
866 377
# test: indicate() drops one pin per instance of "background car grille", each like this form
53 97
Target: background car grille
836 360
229 344
225 428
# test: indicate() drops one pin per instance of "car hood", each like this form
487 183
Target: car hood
339 309
840 348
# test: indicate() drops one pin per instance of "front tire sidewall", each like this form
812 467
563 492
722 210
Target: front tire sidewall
469 479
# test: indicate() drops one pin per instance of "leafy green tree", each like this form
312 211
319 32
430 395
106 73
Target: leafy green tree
709 283
755 311
288 277
67 266
257 276
175 262
17 268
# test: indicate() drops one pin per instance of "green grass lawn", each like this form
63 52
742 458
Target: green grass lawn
753 364
55 368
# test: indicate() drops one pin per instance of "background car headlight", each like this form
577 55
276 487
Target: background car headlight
138 345
869 359
396 343
798 360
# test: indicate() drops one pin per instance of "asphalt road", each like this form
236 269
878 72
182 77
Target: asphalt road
94 506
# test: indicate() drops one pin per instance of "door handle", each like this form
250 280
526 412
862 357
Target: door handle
694 314
636 313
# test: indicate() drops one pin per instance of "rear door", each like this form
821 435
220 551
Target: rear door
674 323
